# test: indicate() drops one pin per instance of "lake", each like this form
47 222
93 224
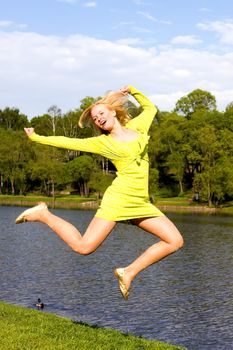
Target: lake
186 299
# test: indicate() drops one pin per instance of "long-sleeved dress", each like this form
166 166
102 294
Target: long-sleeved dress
127 197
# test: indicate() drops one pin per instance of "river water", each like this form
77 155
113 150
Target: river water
186 299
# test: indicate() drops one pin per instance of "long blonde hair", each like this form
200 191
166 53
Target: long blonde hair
115 101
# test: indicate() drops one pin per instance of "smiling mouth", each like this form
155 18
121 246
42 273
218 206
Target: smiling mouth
102 122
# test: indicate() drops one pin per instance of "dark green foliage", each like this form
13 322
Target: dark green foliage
80 170
11 118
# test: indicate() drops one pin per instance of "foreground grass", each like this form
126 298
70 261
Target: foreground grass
26 329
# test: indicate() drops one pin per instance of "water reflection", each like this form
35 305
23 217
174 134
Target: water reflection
186 299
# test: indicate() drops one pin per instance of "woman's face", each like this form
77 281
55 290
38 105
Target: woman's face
103 117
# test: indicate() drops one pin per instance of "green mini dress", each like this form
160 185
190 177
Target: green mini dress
127 197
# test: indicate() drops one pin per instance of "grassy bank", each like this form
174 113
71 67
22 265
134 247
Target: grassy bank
174 204
27 329
185 204
62 202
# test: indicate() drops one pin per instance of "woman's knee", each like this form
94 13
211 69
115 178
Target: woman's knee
85 248
178 243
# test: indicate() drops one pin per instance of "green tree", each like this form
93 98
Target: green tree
228 116
49 123
11 118
209 147
88 101
55 114
80 170
153 183
176 164
42 125
47 168
13 156
99 181
229 108
166 148
225 177
69 124
195 101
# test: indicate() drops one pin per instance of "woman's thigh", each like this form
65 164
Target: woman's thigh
97 231
162 227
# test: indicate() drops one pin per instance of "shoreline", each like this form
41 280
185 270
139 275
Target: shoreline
93 205
188 209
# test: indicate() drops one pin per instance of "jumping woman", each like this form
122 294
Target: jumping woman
125 142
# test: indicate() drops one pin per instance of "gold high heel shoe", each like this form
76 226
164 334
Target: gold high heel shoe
120 273
23 216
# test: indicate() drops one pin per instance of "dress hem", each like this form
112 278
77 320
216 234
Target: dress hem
159 214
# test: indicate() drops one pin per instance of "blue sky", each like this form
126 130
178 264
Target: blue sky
59 51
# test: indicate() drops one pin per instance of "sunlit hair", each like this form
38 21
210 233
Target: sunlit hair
115 101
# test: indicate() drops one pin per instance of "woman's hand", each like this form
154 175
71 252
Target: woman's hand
29 131
125 90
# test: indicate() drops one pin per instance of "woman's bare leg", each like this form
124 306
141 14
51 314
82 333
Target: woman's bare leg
171 241
96 233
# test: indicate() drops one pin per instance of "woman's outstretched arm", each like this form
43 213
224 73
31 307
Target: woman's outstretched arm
91 144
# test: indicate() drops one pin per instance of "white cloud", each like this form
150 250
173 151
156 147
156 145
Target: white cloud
130 41
5 24
139 42
167 101
138 2
68 1
141 29
63 70
22 26
186 40
90 4
223 29
165 22
146 15
224 97
204 9
122 25
11 24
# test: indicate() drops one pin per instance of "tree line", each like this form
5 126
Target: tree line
190 151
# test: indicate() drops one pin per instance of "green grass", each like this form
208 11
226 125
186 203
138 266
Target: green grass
61 201
176 204
26 329
178 201
34 198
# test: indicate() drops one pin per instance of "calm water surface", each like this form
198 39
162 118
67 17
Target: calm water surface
185 299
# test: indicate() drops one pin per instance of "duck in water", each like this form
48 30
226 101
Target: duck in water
39 304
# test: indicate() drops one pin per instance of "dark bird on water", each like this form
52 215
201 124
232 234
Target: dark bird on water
39 304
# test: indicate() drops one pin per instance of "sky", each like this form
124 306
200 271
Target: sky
57 52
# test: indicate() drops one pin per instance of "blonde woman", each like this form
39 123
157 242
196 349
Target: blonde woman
124 141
